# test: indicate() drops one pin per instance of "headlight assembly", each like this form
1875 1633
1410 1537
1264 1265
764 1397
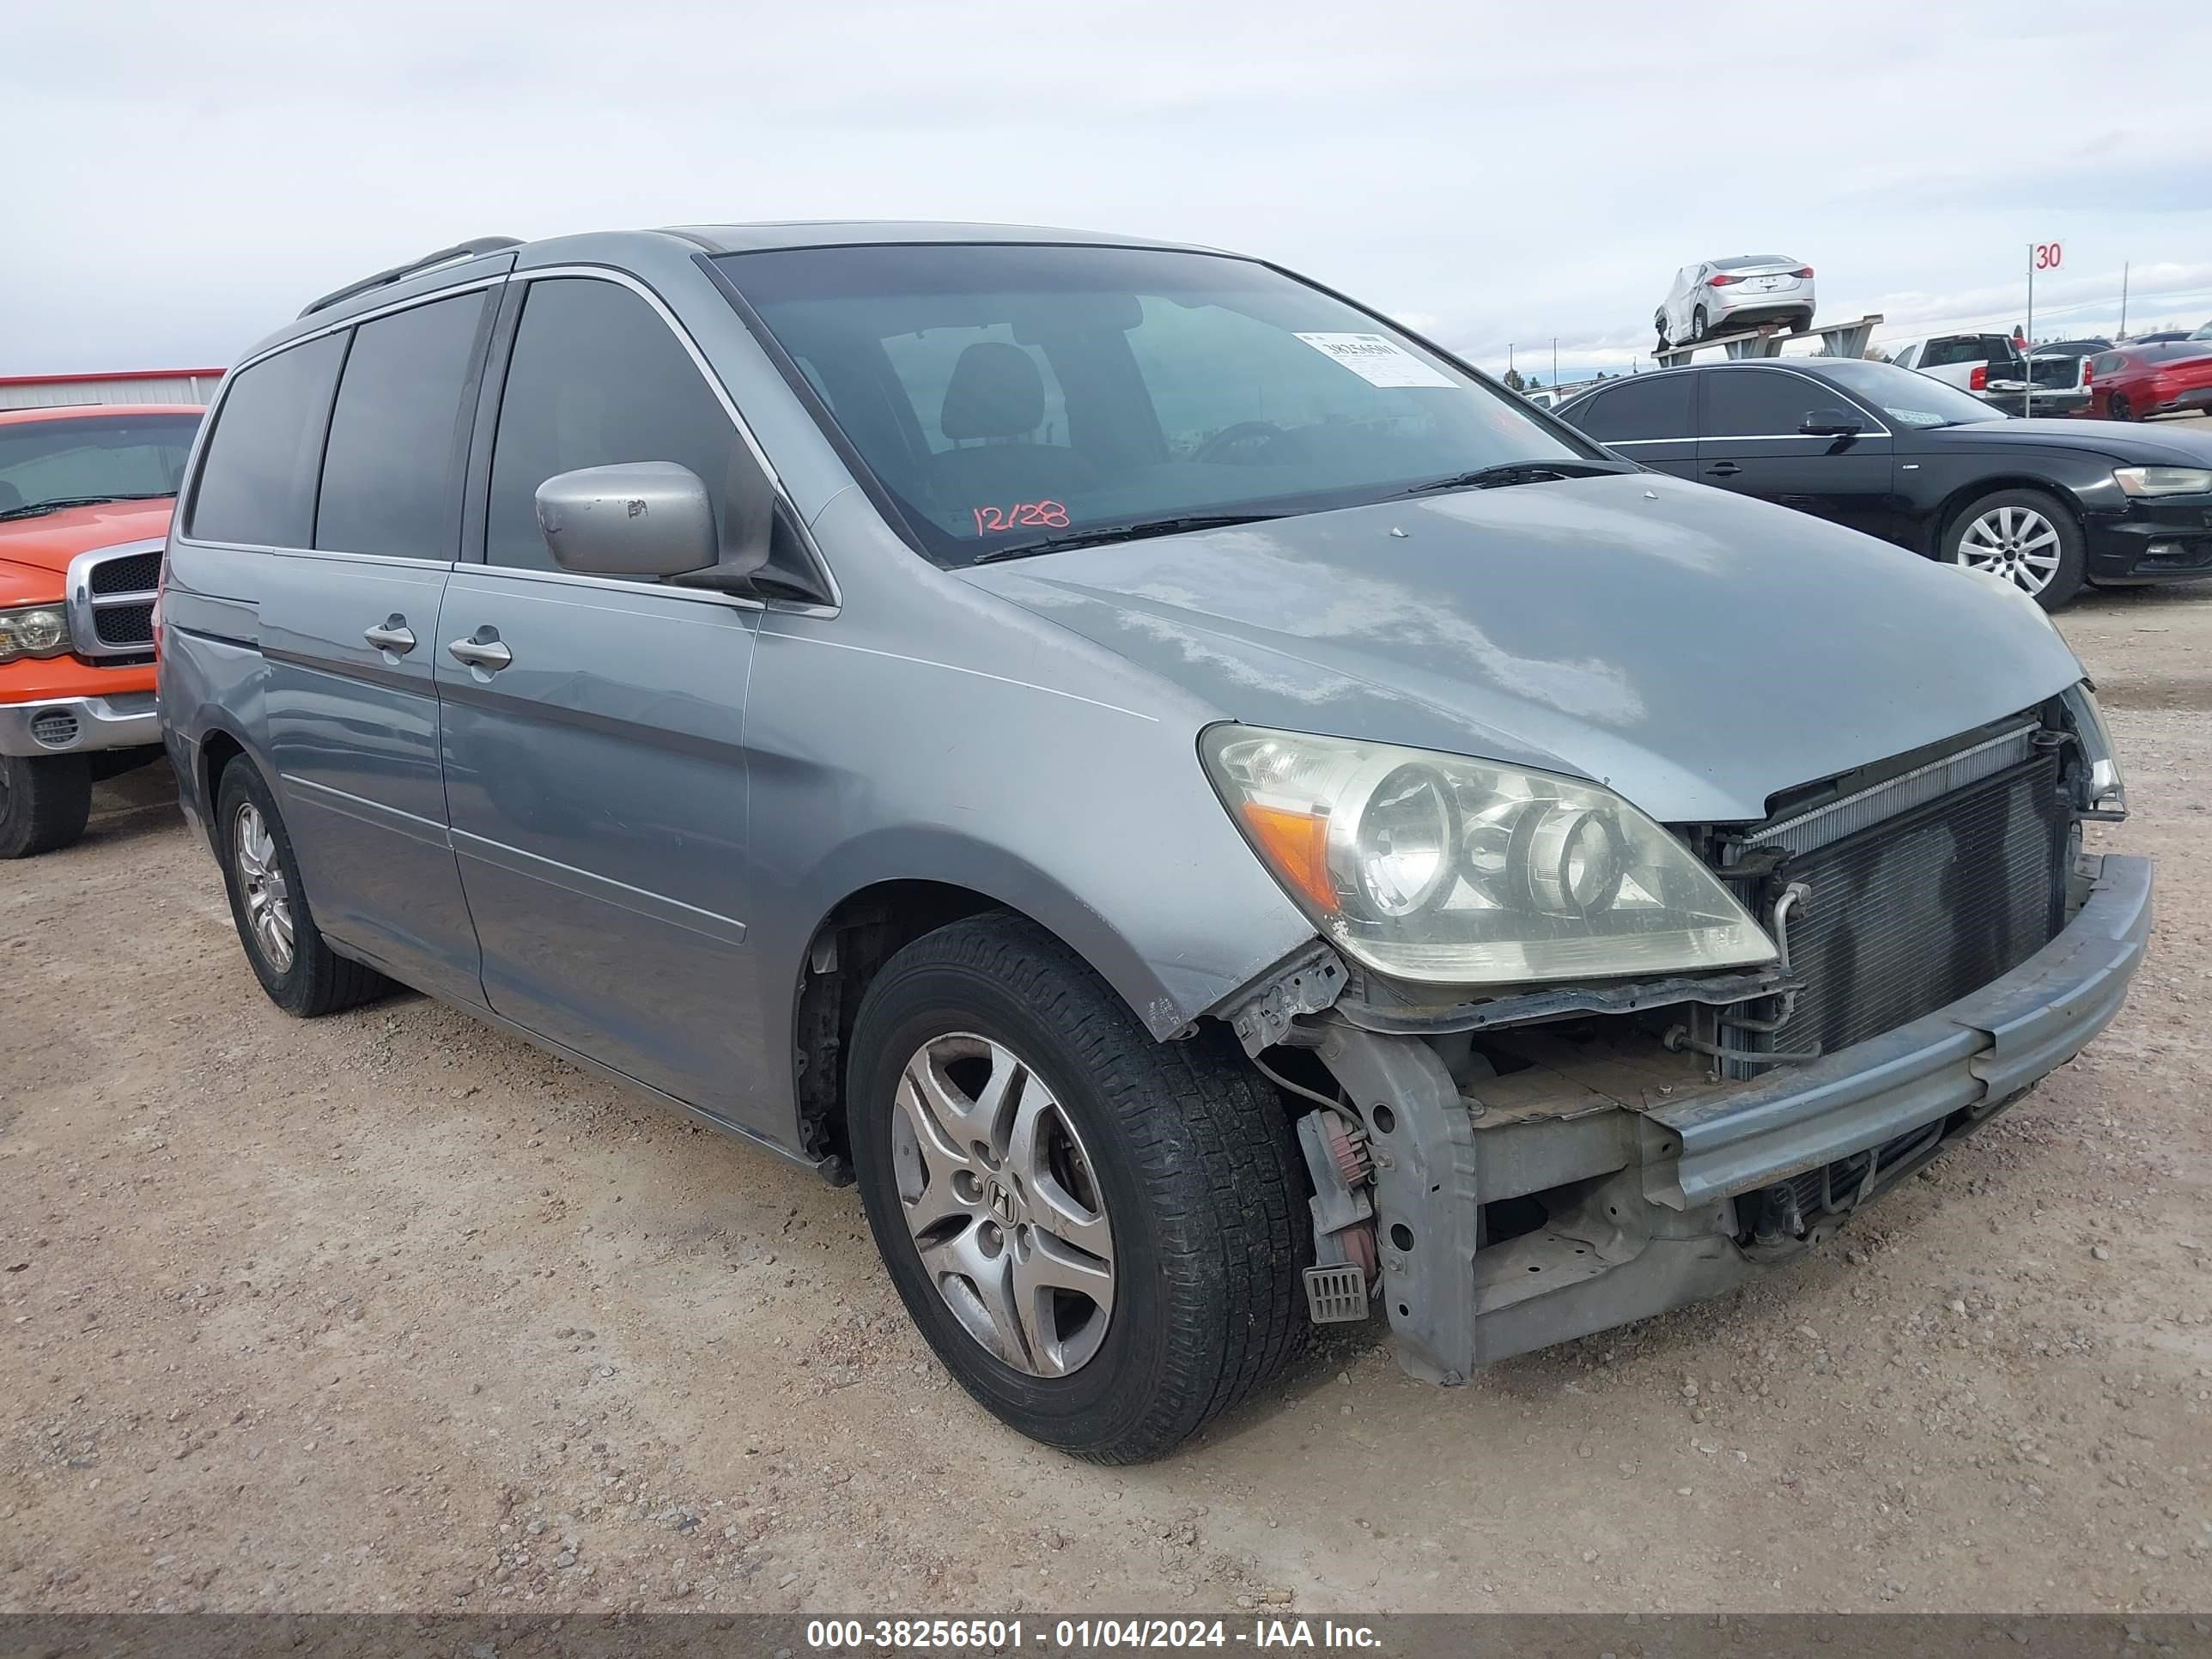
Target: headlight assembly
1448 871
2163 480
2107 790
38 630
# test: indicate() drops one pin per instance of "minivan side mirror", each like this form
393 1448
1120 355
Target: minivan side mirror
1832 423
639 518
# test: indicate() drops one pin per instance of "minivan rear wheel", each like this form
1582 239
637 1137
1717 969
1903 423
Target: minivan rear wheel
45 802
269 905
1101 1234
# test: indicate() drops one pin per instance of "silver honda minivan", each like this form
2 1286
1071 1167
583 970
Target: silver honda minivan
1214 814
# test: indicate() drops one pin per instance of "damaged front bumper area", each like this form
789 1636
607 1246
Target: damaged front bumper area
1597 1179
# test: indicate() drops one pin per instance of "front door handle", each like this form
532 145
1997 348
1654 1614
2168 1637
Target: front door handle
482 649
1723 469
391 634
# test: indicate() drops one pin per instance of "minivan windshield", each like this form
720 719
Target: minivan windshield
1908 398
1007 398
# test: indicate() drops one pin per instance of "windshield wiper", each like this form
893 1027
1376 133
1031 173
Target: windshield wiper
33 509
1519 472
1122 532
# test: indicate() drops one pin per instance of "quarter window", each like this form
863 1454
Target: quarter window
597 378
391 471
1659 407
1750 403
257 482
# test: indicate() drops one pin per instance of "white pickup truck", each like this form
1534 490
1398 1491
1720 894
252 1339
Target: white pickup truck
1990 367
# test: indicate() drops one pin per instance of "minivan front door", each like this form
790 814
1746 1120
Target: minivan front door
592 727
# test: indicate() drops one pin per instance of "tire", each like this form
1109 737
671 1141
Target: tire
1800 325
1698 324
1184 1171
2117 408
315 980
1659 324
1989 551
45 801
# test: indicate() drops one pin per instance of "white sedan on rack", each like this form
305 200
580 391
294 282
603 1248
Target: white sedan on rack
1722 296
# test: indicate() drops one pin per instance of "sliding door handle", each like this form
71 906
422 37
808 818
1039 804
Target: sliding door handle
391 634
482 649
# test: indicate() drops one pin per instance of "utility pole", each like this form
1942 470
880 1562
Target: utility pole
1555 359
2027 373
2123 300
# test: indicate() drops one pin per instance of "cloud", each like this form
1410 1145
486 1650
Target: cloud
1498 175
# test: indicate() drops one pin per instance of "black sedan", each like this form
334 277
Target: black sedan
2047 504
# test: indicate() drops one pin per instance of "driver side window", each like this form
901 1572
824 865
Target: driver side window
597 378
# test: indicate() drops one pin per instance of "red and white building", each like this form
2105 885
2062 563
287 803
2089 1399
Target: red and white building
129 385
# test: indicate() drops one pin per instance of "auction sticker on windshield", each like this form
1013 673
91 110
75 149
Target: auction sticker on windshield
1376 359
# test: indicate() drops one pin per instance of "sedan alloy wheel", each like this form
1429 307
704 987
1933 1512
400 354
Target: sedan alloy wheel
2014 542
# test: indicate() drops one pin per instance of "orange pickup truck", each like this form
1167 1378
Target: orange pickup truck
85 494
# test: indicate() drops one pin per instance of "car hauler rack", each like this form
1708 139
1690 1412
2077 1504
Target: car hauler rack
1837 340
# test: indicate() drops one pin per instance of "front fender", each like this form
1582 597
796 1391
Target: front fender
1165 991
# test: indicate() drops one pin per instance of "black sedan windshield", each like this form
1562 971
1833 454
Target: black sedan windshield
47 464
1006 396
1910 400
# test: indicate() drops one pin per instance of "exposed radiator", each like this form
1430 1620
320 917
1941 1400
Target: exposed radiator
1918 907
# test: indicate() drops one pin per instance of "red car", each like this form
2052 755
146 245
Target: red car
2131 382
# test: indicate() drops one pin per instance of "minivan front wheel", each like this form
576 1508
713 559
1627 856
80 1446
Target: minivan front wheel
1100 1235
285 949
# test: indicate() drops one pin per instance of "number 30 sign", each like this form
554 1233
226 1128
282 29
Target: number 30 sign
2047 256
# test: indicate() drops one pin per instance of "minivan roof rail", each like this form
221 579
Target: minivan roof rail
468 250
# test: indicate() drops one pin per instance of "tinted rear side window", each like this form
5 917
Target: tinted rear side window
392 471
597 378
1750 403
257 484
1657 408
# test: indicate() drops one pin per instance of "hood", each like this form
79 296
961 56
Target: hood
1694 650
51 540
2155 446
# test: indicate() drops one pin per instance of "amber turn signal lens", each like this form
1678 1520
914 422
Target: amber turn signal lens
1296 844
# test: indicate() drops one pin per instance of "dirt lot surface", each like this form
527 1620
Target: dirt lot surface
389 1312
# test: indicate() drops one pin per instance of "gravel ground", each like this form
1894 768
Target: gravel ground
389 1312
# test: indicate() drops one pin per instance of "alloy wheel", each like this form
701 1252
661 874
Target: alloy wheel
2017 542
1004 1203
262 885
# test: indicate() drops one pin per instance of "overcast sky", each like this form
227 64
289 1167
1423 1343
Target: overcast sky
186 173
